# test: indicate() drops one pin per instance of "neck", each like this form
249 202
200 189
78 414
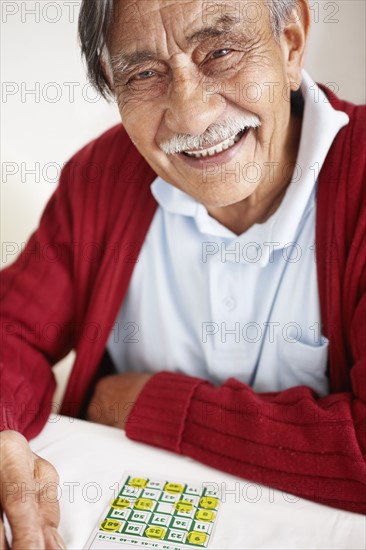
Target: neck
265 200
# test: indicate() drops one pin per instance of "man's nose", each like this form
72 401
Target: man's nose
190 110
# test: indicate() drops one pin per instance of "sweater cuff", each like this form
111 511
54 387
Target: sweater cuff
159 415
7 419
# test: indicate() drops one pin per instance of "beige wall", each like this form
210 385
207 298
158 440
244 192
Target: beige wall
337 48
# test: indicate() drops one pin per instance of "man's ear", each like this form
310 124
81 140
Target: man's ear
294 40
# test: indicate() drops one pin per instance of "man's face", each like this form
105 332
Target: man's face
188 68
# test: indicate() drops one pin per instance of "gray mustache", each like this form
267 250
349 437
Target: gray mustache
214 134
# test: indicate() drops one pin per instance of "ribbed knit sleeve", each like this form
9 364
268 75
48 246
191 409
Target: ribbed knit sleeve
64 290
160 415
287 440
37 299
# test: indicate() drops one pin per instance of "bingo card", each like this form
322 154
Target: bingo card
163 514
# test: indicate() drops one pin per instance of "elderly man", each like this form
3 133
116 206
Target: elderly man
209 262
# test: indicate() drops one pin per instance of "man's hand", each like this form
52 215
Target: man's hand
28 496
114 397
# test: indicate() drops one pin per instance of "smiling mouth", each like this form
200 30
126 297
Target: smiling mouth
219 148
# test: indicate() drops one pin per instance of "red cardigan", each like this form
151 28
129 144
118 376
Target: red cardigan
66 288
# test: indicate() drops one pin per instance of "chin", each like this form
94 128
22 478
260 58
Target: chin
229 198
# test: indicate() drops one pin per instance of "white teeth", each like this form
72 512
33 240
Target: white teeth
216 149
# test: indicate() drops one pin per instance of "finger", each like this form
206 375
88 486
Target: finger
3 542
27 535
45 480
20 506
53 540
49 508
19 493
48 502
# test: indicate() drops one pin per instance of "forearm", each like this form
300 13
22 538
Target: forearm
37 312
289 440
27 388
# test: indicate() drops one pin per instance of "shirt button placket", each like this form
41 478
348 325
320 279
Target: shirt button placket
229 303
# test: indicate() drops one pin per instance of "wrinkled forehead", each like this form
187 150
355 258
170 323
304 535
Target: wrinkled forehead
184 21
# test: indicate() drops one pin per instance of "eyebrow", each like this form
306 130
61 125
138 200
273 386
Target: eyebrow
123 62
223 25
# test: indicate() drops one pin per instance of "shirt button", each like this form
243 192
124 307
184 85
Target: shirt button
229 303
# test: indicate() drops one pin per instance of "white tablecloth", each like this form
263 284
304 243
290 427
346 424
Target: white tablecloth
91 460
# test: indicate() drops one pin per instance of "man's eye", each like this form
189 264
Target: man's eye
144 75
220 53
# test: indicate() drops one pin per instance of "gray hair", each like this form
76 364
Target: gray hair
94 23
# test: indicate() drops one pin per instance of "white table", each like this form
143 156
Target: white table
91 460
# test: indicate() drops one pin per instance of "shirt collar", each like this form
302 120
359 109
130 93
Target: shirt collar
321 123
